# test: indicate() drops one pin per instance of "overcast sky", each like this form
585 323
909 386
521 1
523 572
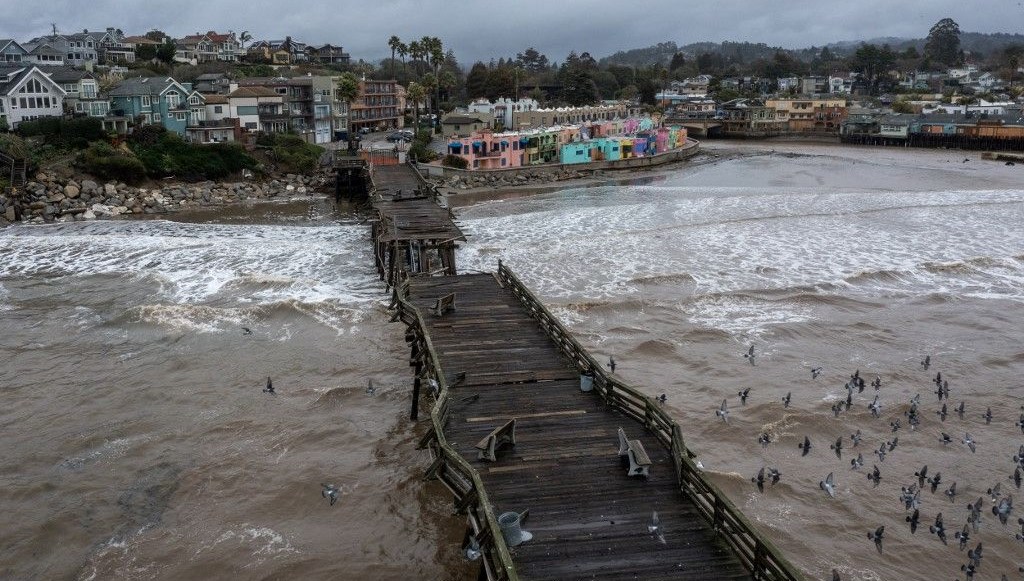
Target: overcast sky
486 29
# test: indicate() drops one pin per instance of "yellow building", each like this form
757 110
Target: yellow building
809 114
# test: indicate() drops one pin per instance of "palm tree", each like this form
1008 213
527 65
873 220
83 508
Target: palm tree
415 51
347 90
244 38
446 81
429 83
403 50
415 93
394 42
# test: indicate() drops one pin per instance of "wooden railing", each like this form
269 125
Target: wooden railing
449 466
758 554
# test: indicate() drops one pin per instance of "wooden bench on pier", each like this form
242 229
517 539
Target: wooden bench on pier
500 436
633 450
444 304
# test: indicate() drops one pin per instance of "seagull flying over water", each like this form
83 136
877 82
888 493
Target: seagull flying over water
875 476
828 485
750 354
270 387
927 362
969 441
938 529
876 536
805 446
759 480
914 519
723 412
815 372
743 395
857 463
789 394
611 363
330 491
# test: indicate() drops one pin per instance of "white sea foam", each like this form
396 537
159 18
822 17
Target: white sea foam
750 240
195 263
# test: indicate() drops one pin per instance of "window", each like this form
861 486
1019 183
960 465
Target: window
156 117
179 116
218 109
145 101
173 99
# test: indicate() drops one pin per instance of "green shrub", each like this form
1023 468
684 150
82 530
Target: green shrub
103 161
164 154
293 155
64 133
454 161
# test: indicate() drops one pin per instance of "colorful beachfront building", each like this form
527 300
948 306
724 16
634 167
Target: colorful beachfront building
568 144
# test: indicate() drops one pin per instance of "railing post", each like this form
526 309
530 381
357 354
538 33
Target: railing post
415 413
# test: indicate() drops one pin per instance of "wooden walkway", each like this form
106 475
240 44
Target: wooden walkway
412 233
589 519
500 355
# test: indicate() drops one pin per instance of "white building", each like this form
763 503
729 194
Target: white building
26 93
979 108
504 109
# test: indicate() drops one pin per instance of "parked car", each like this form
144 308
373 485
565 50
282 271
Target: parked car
398 136
364 130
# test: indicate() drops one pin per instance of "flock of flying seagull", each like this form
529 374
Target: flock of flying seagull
1002 504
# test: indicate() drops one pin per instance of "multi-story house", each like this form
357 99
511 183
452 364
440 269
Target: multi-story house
12 52
113 49
134 42
79 49
40 54
207 47
277 52
809 114
504 109
213 84
814 85
308 111
155 100
376 106
256 108
82 96
327 54
748 117
26 93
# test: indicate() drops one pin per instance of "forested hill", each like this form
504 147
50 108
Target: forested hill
982 44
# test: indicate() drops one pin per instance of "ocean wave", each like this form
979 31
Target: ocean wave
339 317
654 348
679 278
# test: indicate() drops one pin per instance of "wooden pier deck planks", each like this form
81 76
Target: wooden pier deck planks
589 519
411 224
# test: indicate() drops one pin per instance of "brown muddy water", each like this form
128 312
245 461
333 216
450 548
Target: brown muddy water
138 443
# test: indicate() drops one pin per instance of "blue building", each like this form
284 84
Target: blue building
156 100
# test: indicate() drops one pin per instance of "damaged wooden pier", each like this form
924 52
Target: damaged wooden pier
530 432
